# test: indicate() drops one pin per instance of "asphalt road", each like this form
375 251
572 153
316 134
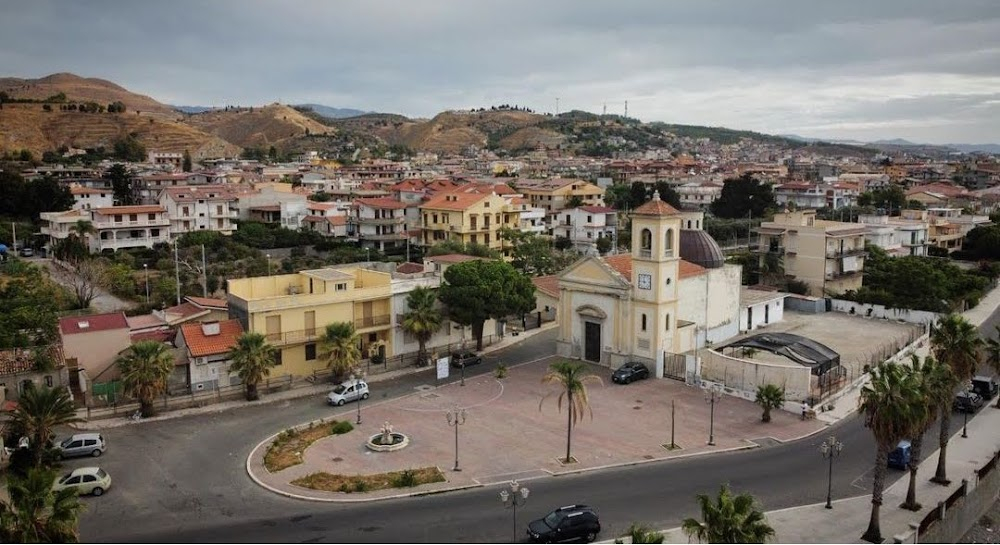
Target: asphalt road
184 480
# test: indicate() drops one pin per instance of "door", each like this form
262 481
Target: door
749 318
592 341
767 313
310 319
273 328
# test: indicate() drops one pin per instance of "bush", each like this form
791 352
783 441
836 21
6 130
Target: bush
405 479
340 428
501 371
360 486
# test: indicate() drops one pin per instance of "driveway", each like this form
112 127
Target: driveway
103 302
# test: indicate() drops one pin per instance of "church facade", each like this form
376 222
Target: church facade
671 294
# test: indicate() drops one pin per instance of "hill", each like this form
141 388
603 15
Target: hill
256 127
332 113
81 89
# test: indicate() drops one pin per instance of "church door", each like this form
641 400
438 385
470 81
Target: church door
592 341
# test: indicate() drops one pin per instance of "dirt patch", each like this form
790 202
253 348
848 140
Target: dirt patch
407 478
286 450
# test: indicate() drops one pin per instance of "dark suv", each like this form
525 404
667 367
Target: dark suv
464 359
573 522
985 386
967 402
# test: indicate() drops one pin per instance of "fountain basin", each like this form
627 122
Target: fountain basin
398 441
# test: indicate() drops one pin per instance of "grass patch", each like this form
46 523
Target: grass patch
286 449
366 483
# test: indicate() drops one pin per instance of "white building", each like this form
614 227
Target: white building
897 236
118 227
201 208
758 308
584 226
806 195
698 195
378 223
206 347
85 198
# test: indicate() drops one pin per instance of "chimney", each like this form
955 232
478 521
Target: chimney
210 329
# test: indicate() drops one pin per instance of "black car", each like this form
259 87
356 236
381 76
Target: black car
967 402
985 386
465 359
629 372
573 522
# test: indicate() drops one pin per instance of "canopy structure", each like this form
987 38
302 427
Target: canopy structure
818 357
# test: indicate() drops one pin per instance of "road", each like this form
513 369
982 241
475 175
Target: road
184 480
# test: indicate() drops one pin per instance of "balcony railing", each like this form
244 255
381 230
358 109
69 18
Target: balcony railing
382 236
647 253
294 336
841 274
379 221
846 252
372 321
776 250
131 242
127 224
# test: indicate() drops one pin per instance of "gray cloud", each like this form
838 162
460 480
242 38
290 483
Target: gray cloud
923 70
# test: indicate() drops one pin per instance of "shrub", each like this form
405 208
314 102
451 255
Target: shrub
501 371
405 479
340 428
360 486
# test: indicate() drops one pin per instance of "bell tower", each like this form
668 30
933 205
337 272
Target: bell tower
656 261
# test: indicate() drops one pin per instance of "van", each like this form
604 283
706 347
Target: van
899 458
986 387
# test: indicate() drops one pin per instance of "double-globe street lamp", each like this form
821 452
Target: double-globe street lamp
357 380
513 497
830 449
713 394
456 418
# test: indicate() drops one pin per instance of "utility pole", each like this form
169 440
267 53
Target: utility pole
204 273
557 106
13 228
177 273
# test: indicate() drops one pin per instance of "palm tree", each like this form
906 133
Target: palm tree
36 514
80 233
640 533
422 319
891 406
340 348
144 369
992 356
935 385
39 411
769 397
730 519
252 360
572 380
82 229
954 342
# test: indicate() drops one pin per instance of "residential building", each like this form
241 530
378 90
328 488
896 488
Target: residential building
829 256
172 159
585 225
201 208
194 309
206 349
529 219
327 218
86 198
898 236
554 194
815 195
759 308
91 344
467 218
118 227
378 223
698 195
947 227
18 371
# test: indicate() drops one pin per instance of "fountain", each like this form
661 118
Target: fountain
387 440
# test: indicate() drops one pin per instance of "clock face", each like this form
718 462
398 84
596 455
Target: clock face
645 281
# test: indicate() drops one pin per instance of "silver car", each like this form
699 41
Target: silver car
351 390
82 444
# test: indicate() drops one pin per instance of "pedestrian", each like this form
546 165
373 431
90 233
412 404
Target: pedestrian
805 409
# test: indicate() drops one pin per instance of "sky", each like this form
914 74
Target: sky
923 70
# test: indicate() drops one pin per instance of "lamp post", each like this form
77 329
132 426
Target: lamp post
356 380
830 449
145 269
268 256
965 413
456 417
513 497
713 394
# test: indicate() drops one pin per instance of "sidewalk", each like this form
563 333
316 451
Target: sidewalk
295 393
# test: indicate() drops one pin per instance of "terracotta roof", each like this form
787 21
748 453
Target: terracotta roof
519 200
337 220
409 268
453 201
656 207
144 321
16 360
621 263
267 208
549 285
381 202
597 209
199 344
452 258
72 325
320 205
193 193
163 336
688 269
144 209
183 310
88 190
207 302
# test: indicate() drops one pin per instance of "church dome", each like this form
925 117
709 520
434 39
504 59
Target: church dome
699 247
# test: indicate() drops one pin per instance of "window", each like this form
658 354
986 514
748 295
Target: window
310 351
133 217
435 218
486 204
643 326
668 243
154 232
48 380
278 356
646 243
118 218
342 286
667 319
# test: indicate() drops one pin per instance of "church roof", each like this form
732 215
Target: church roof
655 207
622 264
699 247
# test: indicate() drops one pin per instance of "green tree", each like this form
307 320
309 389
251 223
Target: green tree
668 194
729 519
340 348
604 245
992 356
638 194
252 359
935 390
129 148
475 291
575 201
955 343
562 243
618 196
186 161
742 196
531 254
144 368
891 407
769 397
422 319
982 242
121 184
39 412
36 513
572 378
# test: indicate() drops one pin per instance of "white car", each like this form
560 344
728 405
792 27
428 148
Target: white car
86 480
351 390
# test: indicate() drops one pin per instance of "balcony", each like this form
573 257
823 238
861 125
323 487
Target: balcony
381 236
159 222
369 322
846 252
776 250
232 214
838 275
379 221
294 337
136 242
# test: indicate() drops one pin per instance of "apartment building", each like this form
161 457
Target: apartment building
555 193
584 226
118 227
829 256
201 208
468 218
327 218
815 195
896 235
85 198
947 227
378 223
698 195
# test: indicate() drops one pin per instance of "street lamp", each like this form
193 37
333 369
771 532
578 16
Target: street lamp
830 449
513 497
356 380
456 417
713 394
965 413
145 268
268 256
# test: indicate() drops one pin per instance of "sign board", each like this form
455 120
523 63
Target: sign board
442 368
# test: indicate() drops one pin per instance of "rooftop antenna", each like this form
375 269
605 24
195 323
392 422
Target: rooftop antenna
605 111
626 109
557 106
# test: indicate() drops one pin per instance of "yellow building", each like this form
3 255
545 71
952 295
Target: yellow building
468 218
829 256
292 311
555 193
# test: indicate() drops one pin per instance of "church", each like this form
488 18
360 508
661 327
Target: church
672 294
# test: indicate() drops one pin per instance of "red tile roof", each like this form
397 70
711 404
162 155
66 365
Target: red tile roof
688 269
621 263
549 285
597 209
199 344
207 302
452 258
409 268
72 325
453 201
382 202
16 360
656 207
146 209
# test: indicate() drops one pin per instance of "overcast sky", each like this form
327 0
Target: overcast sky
924 70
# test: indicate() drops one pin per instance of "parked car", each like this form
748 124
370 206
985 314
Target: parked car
986 387
351 390
82 444
899 457
27 252
573 522
86 480
629 372
465 359
967 402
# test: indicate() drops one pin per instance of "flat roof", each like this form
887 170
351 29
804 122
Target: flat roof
328 274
